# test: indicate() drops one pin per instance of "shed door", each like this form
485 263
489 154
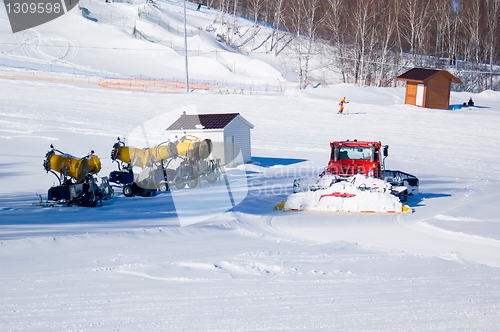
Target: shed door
420 95
230 152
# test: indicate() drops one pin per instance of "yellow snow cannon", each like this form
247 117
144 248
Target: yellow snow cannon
66 165
77 185
73 167
143 157
180 163
130 155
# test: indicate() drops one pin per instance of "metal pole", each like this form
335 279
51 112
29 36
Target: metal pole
186 48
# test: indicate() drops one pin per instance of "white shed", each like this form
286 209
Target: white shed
230 134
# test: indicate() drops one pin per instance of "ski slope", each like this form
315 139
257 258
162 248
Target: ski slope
108 48
130 265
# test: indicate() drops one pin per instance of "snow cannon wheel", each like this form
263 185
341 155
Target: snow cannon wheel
128 190
192 182
212 178
180 185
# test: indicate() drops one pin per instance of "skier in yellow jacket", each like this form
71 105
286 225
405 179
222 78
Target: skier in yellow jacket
341 105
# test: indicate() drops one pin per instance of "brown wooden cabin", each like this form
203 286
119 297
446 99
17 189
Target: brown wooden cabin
428 88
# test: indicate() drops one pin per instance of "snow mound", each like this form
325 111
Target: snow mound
355 194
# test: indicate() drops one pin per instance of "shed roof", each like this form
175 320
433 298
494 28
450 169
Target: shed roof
424 74
205 121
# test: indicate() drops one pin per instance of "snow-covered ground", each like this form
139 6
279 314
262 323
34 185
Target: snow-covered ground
130 266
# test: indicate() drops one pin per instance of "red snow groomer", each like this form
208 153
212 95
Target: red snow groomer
354 180
349 158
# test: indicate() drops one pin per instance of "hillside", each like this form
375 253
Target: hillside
76 45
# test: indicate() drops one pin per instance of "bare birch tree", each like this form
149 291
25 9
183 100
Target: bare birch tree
305 21
277 20
334 25
387 29
361 15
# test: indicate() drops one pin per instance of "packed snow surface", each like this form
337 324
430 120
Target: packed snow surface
130 265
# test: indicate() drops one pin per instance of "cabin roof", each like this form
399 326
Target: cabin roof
422 75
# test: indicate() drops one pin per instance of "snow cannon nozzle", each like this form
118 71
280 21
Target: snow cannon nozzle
204 149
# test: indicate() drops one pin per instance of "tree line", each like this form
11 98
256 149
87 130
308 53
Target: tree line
370 42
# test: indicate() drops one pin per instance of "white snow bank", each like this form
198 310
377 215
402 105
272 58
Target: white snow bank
357 194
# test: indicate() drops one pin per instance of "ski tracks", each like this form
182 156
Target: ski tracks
53 49
388 233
